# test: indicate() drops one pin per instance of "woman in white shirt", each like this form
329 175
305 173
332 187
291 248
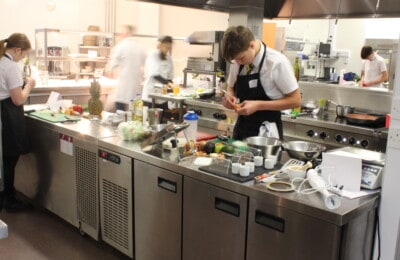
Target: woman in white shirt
14 91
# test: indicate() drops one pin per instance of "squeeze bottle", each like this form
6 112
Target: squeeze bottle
191 118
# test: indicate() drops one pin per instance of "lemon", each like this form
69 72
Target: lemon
200 90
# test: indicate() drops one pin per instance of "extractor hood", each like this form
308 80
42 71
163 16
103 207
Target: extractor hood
303 8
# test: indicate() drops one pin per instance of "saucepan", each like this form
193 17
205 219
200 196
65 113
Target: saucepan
343 110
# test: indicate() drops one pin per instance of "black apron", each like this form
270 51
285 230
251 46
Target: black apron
247 126
14 136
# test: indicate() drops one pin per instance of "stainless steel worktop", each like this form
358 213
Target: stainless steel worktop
311 205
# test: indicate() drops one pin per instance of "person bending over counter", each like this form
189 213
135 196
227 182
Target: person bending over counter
261 83
373 68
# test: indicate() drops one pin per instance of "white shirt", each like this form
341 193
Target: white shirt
155 66
373 69
129 56
10 77
276 75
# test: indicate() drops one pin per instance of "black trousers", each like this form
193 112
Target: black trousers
9 163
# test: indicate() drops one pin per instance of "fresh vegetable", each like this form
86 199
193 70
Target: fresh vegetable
209 147
133 130
218 147
230 149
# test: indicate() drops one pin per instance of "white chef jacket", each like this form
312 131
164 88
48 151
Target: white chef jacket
155 66
276 75
129 56
373 69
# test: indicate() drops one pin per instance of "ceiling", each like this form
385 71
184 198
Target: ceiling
303 8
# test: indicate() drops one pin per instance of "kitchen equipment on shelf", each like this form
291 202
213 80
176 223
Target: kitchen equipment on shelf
268 146
303 150
366 119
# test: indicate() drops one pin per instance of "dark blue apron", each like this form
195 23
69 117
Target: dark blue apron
247 126
14 136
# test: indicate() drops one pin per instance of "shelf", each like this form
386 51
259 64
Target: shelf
94 47
80 59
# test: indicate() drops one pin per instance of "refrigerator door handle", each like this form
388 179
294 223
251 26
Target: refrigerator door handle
270 221
227 206
167 184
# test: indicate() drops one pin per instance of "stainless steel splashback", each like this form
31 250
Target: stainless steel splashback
373 101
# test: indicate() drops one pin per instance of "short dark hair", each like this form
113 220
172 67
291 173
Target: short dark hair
366 51
236 39
165 39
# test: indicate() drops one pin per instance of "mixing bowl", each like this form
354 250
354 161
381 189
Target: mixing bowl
268 146
303 150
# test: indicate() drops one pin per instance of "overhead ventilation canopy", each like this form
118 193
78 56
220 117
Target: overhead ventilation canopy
307 9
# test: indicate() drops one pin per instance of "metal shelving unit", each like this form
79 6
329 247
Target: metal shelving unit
67 48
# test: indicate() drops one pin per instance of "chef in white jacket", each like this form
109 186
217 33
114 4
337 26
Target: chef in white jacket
127 61
158 71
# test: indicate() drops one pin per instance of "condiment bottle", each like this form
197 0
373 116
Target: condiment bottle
296 68
138 108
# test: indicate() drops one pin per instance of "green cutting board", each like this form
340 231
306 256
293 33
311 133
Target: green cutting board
53 116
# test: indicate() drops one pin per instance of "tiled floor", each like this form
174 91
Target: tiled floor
37 235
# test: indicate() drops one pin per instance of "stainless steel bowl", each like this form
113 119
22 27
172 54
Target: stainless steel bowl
303 150
268 146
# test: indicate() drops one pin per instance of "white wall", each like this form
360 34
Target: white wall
350 35
27 15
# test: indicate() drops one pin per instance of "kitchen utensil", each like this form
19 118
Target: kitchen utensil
268 146
303 150
154 115
342 110
373 120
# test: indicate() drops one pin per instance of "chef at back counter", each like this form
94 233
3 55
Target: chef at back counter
261 83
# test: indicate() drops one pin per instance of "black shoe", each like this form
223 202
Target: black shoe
14 205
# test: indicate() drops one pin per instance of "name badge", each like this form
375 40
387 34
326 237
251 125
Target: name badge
253 83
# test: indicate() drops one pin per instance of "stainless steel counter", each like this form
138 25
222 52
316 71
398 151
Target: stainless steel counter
312 205
69 182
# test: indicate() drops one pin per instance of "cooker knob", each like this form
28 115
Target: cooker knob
323 135
216 115
223 116
312 133
352 141
340 138
364 143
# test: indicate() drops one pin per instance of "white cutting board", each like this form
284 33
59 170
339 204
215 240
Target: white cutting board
341 168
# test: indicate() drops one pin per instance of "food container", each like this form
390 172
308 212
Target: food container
303 150
268 145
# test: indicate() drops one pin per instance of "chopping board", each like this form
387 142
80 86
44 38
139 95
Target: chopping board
54 117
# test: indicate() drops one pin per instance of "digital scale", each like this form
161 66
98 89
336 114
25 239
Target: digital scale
373 164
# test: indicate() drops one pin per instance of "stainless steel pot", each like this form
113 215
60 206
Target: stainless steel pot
342 110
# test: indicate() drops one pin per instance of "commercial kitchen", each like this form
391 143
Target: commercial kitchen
151 204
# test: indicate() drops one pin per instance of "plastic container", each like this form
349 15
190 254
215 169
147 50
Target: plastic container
192 119
138 108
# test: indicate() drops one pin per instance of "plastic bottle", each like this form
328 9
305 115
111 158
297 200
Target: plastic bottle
341 78
138 108
296 68
191 118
